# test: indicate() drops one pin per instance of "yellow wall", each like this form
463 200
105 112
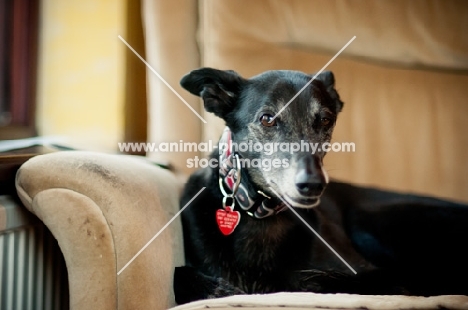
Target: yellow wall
81 90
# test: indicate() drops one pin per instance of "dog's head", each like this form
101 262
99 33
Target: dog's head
249 107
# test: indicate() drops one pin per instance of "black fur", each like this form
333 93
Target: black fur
397 243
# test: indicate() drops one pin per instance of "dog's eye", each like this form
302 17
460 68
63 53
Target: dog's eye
267 120
325 121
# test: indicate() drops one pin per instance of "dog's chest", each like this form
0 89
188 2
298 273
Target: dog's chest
258 243
254 258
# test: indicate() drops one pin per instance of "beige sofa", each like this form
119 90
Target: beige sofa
404 82
104 209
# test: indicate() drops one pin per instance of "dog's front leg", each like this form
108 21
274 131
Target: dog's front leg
190 285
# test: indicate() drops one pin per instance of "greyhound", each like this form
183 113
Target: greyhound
252 229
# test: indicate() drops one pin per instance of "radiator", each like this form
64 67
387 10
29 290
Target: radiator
32 269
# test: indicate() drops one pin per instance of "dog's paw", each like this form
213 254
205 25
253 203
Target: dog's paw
376 282
189 285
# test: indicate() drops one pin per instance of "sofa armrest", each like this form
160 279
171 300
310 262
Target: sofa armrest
103 209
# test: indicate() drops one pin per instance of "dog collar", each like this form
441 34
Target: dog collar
234 185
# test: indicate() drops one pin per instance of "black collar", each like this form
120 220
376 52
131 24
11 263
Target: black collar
233 182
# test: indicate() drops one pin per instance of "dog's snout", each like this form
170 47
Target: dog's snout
308 185
309 180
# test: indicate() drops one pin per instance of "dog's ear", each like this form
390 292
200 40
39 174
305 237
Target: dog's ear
328 79
219 89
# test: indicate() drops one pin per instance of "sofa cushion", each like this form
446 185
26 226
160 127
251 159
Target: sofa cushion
416 33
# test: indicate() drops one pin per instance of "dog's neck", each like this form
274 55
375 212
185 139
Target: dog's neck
250 199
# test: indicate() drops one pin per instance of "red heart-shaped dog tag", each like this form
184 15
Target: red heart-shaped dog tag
227 220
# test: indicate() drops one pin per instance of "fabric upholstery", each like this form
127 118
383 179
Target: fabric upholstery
411 33
103 209
171 47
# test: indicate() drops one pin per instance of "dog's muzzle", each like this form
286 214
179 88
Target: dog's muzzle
310 179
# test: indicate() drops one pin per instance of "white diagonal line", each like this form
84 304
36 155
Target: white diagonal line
313 230
163 80
160 231
315 76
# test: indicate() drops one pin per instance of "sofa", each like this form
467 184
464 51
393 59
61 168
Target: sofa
104 210
403 81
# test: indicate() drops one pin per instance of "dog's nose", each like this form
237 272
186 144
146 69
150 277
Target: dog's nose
309 179
308 185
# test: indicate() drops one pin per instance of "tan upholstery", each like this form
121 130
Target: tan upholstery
172 55
403 79
103 209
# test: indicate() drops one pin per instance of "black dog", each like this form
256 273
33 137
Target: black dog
389 243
